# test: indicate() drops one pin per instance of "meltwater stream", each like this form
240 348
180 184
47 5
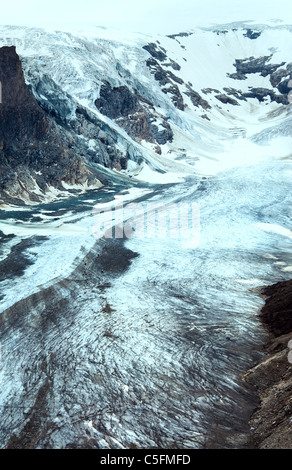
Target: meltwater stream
143 343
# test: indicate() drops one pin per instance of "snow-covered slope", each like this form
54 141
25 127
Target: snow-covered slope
192 102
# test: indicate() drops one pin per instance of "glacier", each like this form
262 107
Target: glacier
142 343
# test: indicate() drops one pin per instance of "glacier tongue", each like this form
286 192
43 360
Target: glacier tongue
142 342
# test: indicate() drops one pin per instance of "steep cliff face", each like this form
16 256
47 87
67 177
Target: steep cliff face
33 151
48 146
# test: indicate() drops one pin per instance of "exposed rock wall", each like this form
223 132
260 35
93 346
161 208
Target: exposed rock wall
271 421
33 148
134 114
46 139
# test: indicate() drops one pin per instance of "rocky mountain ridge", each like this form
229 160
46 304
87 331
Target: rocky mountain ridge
127 105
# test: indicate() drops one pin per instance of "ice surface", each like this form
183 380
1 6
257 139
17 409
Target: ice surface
142 341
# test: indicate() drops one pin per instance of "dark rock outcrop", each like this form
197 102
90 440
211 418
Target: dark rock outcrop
262 94
196 98
272 378
252 34
276 78
33 148
226 99
254 65
236 93
176 96
159 53
179 35
156 52
279 78
224 31
173 64
117 101
134 114
277 311
210 90
167 80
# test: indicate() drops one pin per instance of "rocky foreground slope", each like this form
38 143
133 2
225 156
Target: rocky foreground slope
271 422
